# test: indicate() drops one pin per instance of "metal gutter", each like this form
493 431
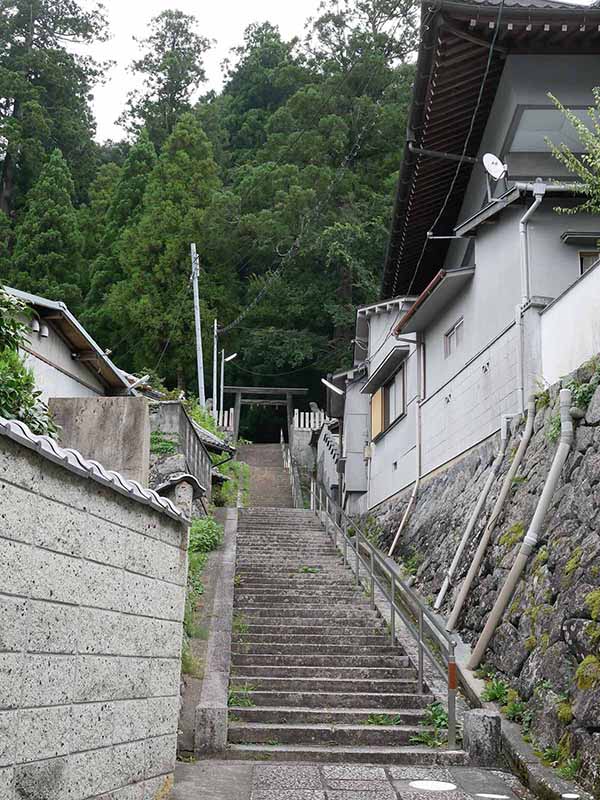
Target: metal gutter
419 301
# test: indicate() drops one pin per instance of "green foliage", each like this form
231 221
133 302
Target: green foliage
564 712
13 330
161 444
206 534
574 561
588 673
514 708
554 428
582 393
310 570
485 672
202 417
47 257
189 664
435 718
542 399
512 536
496 691
372 529
239 481
239 696
586 167
383 719
559 757
530 643
592 601
240 626
411 564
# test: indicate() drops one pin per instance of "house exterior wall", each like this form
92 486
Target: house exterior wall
356 437
91 601
327 461
63 376
564 345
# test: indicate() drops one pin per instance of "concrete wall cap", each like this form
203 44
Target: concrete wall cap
75 462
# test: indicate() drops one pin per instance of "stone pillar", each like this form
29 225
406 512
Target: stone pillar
236 416
482 737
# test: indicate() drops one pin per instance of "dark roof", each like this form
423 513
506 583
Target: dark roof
211 441
451 64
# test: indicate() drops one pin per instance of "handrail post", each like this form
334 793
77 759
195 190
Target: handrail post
420 674
345 530
356 547
392 609
452 687
372 578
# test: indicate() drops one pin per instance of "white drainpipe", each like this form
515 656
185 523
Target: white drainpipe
475 514
418 459
494 516
533 534
539 190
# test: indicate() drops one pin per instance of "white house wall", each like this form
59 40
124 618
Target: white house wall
52 382
356 436
566 346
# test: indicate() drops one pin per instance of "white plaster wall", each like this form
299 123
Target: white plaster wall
53 383
570 328
469 407
92 594
356 437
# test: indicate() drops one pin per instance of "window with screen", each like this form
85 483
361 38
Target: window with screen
453 338
587 260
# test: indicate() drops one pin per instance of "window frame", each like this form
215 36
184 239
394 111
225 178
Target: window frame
382 409
451 344
581 254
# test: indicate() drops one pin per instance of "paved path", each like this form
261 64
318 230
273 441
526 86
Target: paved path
269 482
245 780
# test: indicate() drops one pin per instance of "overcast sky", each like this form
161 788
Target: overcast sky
223 20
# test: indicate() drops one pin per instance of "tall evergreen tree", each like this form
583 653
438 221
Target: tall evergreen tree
44 91
172 69
122 213
153 301
48 246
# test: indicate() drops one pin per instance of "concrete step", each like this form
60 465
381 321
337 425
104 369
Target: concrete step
329 685
300 672
272 599
344 734
397 659
275 648
311 630
339 753
325 640
313 699
331 612
321 716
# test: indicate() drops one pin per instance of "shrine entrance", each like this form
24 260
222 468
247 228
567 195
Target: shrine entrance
263 396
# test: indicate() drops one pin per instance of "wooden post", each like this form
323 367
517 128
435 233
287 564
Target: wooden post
236 416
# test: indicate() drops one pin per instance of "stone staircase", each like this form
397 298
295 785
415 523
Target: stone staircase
312 664
269 482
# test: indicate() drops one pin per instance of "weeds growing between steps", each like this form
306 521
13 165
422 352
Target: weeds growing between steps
206 534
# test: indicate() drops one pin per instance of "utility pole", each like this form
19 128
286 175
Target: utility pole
199 357
221 404
215 384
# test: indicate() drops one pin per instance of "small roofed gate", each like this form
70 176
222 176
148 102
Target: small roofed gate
264 396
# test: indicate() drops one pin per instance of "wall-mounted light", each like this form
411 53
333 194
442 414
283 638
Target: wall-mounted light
35 325
333 387
44 331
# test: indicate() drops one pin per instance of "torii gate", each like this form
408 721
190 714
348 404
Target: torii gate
253 395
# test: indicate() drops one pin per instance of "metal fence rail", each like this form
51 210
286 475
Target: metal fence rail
383 573
290 465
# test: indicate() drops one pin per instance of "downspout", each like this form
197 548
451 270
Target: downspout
539 190
418 458
474 515
533 534
494 516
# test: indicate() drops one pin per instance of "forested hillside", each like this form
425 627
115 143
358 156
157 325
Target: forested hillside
284 180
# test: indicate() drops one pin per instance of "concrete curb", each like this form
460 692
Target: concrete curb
210 734
519 754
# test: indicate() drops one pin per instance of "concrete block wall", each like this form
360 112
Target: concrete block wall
92 593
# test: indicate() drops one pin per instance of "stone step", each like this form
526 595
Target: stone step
344 734
346 673
408 755
314 699
293 598
311 638
321 716
329 685
397 659
278 648
308 630
309 613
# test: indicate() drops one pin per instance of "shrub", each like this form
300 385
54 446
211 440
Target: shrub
161 445
495 691
19 399
588 673
205 535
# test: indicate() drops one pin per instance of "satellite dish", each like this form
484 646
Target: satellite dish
494 167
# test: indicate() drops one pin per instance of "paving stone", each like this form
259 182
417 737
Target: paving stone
286 776
356 786
421 774
416 794
354 772
288 794
385 794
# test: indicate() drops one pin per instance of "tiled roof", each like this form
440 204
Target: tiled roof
210 439
75 462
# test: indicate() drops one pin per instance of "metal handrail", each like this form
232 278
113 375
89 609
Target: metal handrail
423 622
290 465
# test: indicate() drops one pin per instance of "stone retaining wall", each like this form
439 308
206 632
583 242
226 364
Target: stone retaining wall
548 645
92 591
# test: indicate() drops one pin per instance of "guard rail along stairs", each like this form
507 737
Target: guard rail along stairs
383 574
292 468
